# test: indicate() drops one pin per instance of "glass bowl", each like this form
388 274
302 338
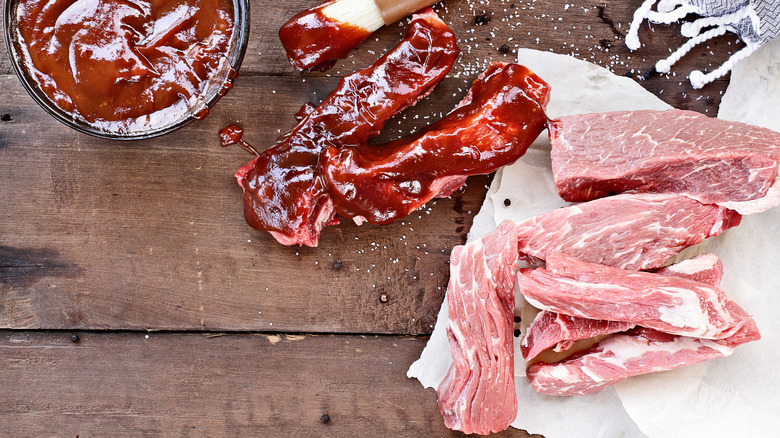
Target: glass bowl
213 88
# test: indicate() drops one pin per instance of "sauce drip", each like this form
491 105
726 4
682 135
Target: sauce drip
127 65
232 134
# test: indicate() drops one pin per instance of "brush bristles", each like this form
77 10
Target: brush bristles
361 13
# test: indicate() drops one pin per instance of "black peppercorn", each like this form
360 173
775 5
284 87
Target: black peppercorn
650 72
325 418
479 20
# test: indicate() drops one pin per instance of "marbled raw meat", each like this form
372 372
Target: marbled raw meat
715 161
630 231
670 304
559 332
704 268
639 351
477 394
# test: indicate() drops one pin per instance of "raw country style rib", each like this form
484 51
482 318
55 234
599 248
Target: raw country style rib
630 231
715 161
477 394
639 351
559 332
704 268
669 304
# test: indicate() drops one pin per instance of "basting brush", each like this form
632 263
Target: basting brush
315 38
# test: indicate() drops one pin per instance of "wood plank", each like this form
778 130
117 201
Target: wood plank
128 384
149 235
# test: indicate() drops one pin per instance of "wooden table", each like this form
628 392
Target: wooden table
135 300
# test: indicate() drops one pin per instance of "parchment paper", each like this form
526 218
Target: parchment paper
734 396
577 87
738 395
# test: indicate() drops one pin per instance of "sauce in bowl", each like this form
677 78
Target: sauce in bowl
127 67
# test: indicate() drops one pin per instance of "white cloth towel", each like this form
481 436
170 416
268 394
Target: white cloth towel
755 21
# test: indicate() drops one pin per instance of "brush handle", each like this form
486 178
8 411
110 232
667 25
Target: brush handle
394 10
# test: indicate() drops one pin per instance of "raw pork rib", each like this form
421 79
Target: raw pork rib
715 161
551 329
669 304
639 351
704 268
629 231
477 394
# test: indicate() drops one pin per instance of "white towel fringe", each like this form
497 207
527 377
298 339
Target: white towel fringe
670 11
668 5
692 29
699 79
632 37
672 16
665 65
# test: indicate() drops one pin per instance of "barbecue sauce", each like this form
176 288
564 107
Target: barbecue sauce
127 65
325 165
503 116
284 193
314 41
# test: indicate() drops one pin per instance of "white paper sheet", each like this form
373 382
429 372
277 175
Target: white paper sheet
728 397
738 395
577 87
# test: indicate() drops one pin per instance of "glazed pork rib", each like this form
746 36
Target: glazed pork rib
714 161
282 190
493 126
325 166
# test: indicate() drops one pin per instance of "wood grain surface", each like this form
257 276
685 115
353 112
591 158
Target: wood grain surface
114 240
131 384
